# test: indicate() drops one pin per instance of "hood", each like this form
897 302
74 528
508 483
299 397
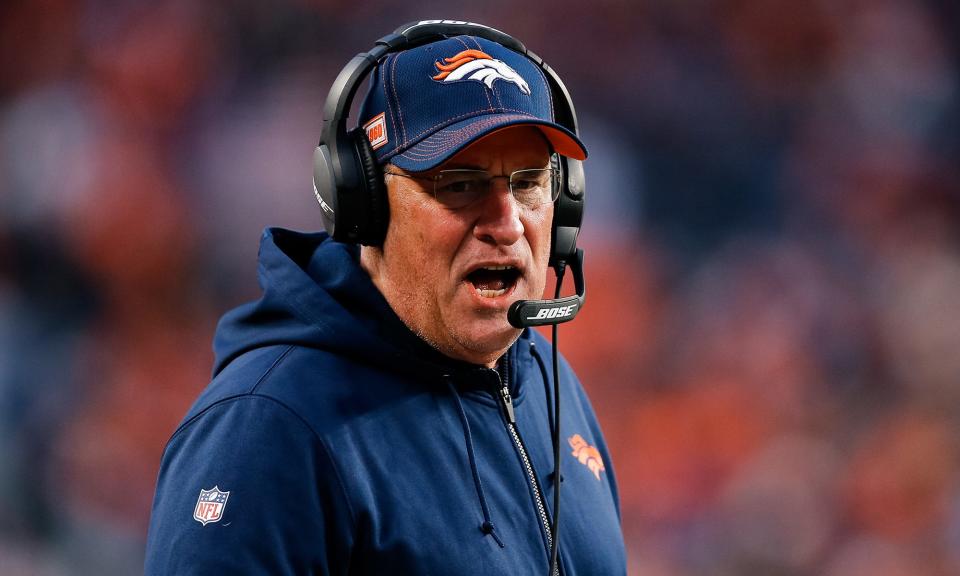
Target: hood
315 294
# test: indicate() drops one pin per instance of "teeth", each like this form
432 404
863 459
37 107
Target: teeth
491 293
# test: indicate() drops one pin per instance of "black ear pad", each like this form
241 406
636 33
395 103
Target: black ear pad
372 189
567 211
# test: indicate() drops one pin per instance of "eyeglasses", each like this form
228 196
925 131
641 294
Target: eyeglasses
461 187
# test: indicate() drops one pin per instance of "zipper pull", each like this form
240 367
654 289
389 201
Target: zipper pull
507 401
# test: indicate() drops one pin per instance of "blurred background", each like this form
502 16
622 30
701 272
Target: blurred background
772 240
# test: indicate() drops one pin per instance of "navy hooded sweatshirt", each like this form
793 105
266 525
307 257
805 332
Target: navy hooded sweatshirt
332 440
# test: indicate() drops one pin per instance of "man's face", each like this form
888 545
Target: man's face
441 269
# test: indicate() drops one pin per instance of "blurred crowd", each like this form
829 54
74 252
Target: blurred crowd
772 247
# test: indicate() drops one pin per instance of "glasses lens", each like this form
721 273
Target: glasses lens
533 187
460 188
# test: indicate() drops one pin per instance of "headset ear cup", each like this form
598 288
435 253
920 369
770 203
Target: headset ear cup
567 210
325 188
374 189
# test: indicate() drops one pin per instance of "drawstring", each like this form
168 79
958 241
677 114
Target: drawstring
546 389
487 526
546 381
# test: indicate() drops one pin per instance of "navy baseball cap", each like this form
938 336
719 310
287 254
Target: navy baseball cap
427 103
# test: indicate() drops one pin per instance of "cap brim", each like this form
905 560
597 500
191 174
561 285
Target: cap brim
444 143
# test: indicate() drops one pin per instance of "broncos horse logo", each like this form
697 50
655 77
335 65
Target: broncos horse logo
478 66
588 455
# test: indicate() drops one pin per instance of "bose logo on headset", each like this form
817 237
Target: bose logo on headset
451 22
323 205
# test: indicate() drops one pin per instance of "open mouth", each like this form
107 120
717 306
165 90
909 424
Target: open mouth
493 281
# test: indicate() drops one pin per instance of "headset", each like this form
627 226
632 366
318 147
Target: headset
348 182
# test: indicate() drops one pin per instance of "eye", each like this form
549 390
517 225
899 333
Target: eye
457 183
527 184
532 187
459 186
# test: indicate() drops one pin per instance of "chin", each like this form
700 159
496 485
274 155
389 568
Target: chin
487 339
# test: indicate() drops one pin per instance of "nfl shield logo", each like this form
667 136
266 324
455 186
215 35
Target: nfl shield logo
210 505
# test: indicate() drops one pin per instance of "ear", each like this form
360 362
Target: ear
371 260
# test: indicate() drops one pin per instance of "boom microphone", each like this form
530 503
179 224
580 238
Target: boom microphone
524 313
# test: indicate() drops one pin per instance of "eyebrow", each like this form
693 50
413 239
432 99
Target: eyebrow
460 166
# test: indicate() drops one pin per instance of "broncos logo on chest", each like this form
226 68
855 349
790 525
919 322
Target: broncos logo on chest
478 66
588 455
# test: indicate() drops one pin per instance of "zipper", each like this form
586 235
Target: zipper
506 402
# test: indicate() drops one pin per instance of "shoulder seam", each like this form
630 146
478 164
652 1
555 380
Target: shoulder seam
269 370
253 389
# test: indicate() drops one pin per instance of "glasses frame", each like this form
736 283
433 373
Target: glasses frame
488 179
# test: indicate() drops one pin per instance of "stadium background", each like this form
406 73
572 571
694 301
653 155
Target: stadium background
771 330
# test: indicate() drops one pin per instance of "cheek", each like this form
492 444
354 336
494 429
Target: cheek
538 234
402 248
416 247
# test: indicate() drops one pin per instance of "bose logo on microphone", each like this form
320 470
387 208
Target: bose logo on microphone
561 312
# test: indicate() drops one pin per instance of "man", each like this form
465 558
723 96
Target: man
374 412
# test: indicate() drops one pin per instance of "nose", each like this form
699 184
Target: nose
499 220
